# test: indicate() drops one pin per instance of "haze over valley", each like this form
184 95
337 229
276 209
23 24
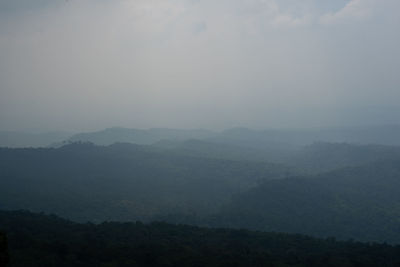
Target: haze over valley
199 133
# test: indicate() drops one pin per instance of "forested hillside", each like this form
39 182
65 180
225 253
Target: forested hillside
122 181
47 241
314 158
322 156
195 182
355 202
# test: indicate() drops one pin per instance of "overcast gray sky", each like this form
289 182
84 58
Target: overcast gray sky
87 64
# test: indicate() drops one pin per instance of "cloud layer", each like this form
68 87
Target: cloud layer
186 63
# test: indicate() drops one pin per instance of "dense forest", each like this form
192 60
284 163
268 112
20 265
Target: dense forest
195 182
47 241
218 183
122 181
354 202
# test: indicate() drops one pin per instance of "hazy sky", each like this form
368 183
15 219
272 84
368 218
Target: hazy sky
90 64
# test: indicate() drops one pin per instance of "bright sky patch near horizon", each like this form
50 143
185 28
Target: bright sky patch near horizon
85 65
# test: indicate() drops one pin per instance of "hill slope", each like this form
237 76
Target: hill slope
47 241
122 181
359 202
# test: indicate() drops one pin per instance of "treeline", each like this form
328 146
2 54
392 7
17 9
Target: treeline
41 240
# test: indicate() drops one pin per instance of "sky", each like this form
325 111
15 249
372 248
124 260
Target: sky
81 65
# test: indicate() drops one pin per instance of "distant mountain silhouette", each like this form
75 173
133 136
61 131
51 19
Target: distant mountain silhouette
23 139
279 140
138 136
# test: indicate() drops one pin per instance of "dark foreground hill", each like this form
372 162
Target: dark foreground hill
355 202
47 241
4 258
